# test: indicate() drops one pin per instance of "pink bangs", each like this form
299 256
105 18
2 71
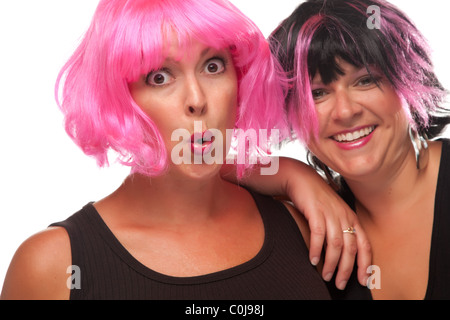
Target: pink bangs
128 38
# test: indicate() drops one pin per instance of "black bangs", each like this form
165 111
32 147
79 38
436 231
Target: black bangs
323 55
342 33
361 47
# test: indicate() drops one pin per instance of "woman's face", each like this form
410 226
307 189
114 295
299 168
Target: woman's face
196 89
362 126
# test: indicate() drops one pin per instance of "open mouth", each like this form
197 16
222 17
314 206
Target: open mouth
354 135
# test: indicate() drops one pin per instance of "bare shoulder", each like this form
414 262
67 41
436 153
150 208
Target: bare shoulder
38 269
299 218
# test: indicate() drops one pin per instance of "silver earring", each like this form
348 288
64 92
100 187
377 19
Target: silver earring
420 146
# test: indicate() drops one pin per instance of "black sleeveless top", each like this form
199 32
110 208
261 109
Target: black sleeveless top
439 265
281 269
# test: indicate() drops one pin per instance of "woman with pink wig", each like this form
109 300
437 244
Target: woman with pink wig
365 100
161 84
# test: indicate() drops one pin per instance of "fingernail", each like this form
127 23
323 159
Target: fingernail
315 261
342 285
365 281
328 277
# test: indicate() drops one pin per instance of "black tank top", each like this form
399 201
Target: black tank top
281 269
439 266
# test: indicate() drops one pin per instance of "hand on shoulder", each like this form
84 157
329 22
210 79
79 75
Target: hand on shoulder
38 269
301 221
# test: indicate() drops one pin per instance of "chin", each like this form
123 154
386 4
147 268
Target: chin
358 171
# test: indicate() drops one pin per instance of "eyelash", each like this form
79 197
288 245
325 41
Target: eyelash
373 80
317 91
166 70
147 78
222 59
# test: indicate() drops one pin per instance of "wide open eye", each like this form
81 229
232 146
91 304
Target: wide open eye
159 78
215 66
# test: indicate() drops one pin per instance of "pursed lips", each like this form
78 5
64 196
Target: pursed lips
201 142
202 137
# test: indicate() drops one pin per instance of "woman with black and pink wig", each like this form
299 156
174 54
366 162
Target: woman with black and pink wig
366 102
163 85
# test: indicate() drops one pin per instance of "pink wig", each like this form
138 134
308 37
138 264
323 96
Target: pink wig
127 39
319 31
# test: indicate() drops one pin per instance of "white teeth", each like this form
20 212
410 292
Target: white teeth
351 136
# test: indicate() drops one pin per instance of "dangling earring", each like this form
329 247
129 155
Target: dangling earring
420 146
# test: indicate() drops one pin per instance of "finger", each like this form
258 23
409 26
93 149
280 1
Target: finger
335 243
347 260
317 227
364 258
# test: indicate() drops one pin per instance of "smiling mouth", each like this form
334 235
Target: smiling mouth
353 136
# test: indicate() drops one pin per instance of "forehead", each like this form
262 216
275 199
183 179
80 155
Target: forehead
344 68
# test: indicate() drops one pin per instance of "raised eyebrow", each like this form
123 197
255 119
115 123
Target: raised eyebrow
205 52
214 51
175 60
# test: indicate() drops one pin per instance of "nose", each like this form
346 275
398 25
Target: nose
195 103
345 108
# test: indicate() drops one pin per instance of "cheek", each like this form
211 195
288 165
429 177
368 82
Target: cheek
232 108
226 96
157 110
385 100
315 148
156 106
392 110
323 117
400 124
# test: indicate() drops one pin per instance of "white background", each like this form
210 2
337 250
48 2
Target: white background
44 177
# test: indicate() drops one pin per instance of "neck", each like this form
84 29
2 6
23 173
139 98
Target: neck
172 200
390 190
398 192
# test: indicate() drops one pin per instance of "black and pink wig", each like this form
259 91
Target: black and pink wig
319 31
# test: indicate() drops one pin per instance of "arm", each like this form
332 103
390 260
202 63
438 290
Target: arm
327 215
38 270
